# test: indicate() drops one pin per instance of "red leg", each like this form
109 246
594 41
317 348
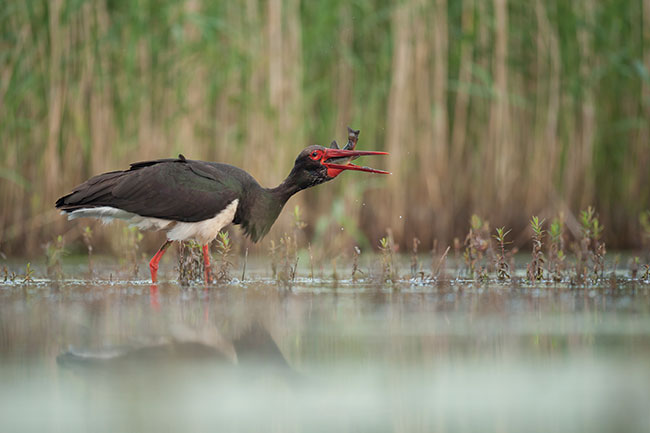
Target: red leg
153 264
206 262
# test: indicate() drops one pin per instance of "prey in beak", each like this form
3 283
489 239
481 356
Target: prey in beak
337 160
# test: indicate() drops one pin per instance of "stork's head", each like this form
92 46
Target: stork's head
318 164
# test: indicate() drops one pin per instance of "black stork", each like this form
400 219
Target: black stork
196 199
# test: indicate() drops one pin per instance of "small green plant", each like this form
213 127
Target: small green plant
476 245
286 273
599 261
589 222
556 254
190 262
385 253
54 252
29 274
592 249
646 274
224 247
8 276
502 265
87 238
298 226
387 266
535 269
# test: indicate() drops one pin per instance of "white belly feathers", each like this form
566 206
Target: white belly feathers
201 231
204 231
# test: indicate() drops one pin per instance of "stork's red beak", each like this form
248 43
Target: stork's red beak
338 160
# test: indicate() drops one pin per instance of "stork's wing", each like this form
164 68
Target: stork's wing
174 189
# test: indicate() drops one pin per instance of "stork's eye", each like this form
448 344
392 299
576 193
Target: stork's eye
315 155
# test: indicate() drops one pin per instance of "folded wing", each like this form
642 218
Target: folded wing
172 189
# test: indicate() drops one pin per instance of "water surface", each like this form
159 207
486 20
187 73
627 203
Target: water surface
125 356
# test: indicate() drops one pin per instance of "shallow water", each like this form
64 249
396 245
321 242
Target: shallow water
126 356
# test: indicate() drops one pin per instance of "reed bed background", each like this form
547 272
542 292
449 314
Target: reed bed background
503 108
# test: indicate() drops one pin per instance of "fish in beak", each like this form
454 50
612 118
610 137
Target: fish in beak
337 160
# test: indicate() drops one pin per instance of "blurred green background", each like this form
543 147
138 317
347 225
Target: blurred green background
504 108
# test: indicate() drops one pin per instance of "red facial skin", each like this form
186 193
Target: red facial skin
334 170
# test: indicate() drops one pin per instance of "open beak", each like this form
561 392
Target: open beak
338 160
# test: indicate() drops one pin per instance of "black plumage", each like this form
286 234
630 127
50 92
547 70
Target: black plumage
179 190
174 189
192 191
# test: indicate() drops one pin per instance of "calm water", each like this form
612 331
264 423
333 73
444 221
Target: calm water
123 356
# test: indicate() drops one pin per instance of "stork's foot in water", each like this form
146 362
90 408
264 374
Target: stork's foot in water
206 263
153 264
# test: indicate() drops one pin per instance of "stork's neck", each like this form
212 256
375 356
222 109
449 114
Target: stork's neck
294 183
260 209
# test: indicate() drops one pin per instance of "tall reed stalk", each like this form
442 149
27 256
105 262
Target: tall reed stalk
504 108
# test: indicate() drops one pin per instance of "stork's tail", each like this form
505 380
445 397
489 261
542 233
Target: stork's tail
93 193
94 199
